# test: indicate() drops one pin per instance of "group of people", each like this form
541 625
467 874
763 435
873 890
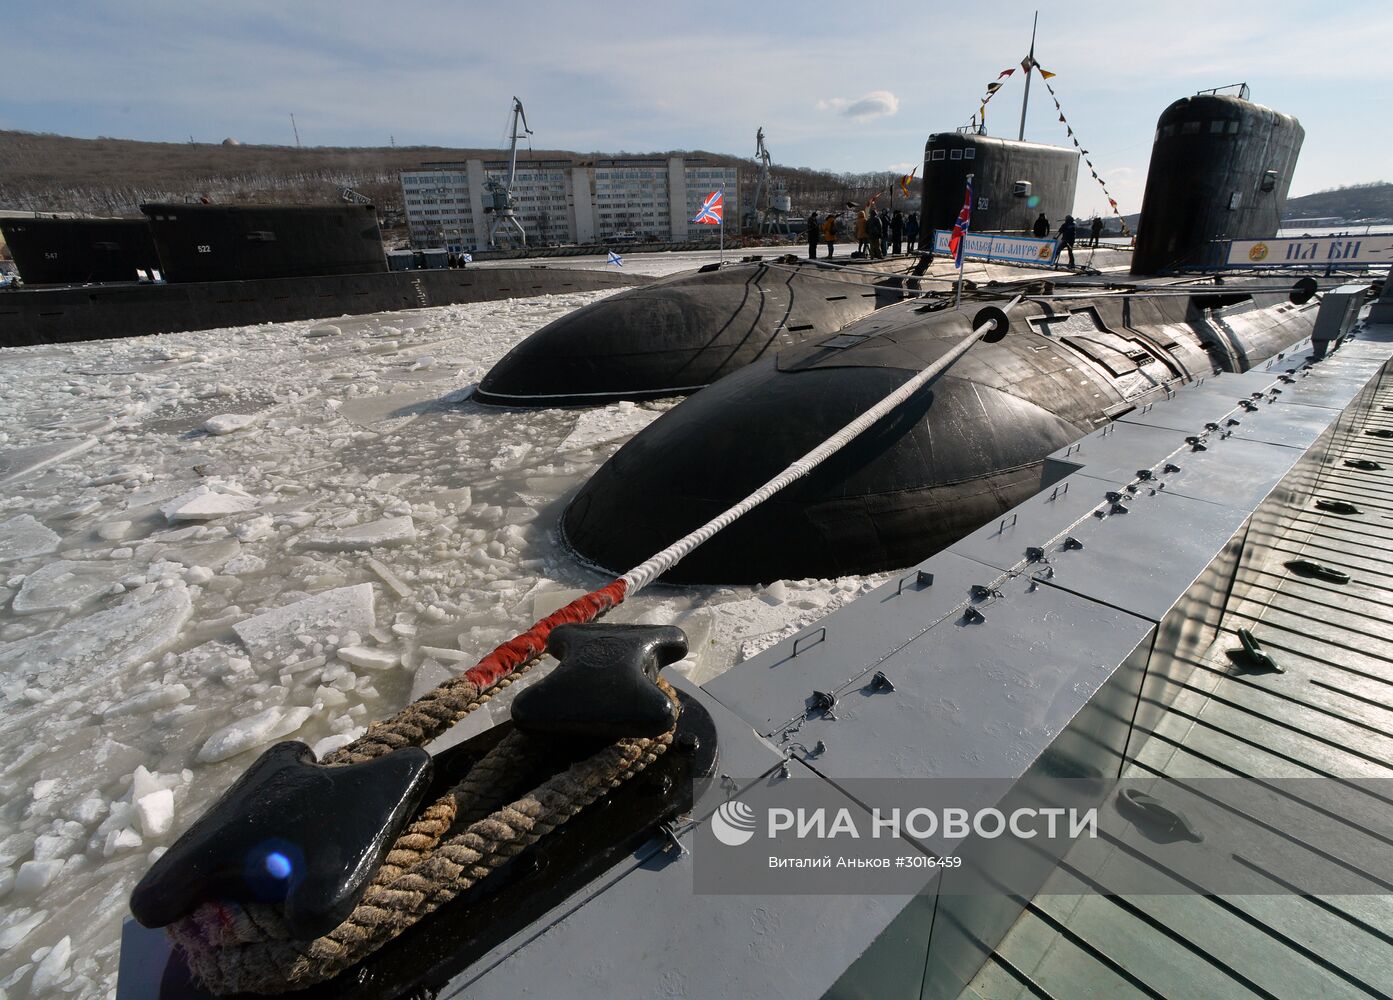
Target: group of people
1068 233
877 233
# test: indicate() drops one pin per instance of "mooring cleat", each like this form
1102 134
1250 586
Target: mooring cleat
603 689
1251 655
289 831
1316 571
1337 507
1157 820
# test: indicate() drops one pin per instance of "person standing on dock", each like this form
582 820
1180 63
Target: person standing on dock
829 233
861 245
1042 227
876 235
911 232
1095 231
1067 233
897 231
814 228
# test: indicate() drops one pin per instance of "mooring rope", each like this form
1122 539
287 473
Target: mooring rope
466 833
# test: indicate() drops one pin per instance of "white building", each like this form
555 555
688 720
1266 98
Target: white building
560 201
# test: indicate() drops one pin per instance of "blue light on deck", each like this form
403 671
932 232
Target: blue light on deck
278 865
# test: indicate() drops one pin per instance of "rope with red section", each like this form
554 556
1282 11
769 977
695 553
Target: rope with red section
450 845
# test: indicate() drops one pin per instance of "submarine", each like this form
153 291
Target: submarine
973 443
233 265
685 332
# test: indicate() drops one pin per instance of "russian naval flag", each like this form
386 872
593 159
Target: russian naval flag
711 211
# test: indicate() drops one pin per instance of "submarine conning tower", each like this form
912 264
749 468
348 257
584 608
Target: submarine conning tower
240 242
78 251
1013 182
1220 169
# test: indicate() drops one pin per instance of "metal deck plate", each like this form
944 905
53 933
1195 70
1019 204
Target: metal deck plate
1145 561
980 699
770 689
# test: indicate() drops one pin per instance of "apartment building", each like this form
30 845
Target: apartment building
564 201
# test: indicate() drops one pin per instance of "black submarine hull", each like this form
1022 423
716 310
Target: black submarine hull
104 312
965 448
682 333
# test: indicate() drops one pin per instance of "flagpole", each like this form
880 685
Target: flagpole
1030 65
962 255
722 226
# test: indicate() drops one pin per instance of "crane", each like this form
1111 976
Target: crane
499 200
771 204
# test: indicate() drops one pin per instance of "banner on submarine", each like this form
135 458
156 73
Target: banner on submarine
1306 251
998 246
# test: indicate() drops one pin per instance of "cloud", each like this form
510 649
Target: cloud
876 104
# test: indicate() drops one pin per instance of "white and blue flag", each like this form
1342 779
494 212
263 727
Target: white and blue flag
615 259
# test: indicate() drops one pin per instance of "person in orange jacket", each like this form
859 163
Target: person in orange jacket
829 233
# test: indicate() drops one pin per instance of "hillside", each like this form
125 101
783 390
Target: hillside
52 173
1358 201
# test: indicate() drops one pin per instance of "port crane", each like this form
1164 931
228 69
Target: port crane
499 201
772 204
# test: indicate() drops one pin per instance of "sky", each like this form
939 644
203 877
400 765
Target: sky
836 86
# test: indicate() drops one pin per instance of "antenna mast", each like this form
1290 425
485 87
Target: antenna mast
501 201
295 130
1029 65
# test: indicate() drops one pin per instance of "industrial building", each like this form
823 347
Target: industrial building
566 201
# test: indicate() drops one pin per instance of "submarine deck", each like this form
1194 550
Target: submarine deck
1328 716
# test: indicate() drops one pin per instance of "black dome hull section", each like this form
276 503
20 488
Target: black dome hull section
966 447
677 335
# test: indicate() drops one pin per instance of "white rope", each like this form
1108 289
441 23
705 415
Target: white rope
645 573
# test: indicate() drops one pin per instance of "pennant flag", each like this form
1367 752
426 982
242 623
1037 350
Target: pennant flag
711 211
1070 130
957 243
466 258
1006 72
993 87
1046 73
1061 117
983 112
1112 203
905 181
1025 63
870 202
615 259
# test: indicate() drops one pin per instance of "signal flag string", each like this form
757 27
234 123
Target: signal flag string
1045 76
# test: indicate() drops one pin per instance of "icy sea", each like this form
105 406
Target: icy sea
213 541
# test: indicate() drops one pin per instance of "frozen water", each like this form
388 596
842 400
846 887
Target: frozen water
226 423
20 463
23 536
126 709
387 531
369 658
204 503
253 731
65 585
347 609
119 637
